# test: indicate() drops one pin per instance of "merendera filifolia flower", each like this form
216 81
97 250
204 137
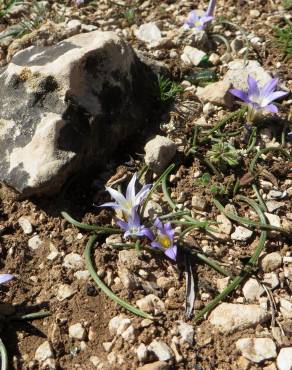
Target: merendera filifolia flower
133 227
259 99
131 201
165 239
197 21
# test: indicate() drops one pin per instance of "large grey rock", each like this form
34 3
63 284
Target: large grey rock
69 105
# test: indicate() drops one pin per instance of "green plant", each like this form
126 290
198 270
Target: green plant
287 4
222 153
38 11
130 15
6 5
283 37
168 89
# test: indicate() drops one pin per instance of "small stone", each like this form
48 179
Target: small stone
257 349
270 367
198 202
73 261
149 33
286 308
25 223
35 242
152 304
74 25
274 220
65 291
252 290
129 259
146 322
254 13
94 360
108 346
128 279
229 317
129 334
214 59
272 205
224 224
142 352
82 274
274 194
119 324
158 153
208 109
284 359
192 56
165 282
216 93
186 331
158 365
77 331
50 363
43 352
271 262
88 27
53 252
272 280
161 350
152 210
241 233
222 283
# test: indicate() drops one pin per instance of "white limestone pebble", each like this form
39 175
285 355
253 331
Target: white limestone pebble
257 349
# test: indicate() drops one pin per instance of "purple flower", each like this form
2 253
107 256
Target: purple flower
195 20
5 277
131 201
133 226
79 2
259 99
164 239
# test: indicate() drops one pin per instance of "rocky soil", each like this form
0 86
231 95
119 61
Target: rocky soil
252 327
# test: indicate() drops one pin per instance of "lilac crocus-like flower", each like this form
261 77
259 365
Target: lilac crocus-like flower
5 277
259 99
164 240
195 20
131 201
133 226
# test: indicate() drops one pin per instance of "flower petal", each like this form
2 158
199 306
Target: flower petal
130 192
156 244
123 224
171 252
142 194
272 108
269 87
240 94
147 232
159 225
119 198
110 204
169 231
273 96
5 277
253 89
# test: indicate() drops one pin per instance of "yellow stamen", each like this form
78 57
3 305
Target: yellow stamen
164 241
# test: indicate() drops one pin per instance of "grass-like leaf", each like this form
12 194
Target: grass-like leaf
283 37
